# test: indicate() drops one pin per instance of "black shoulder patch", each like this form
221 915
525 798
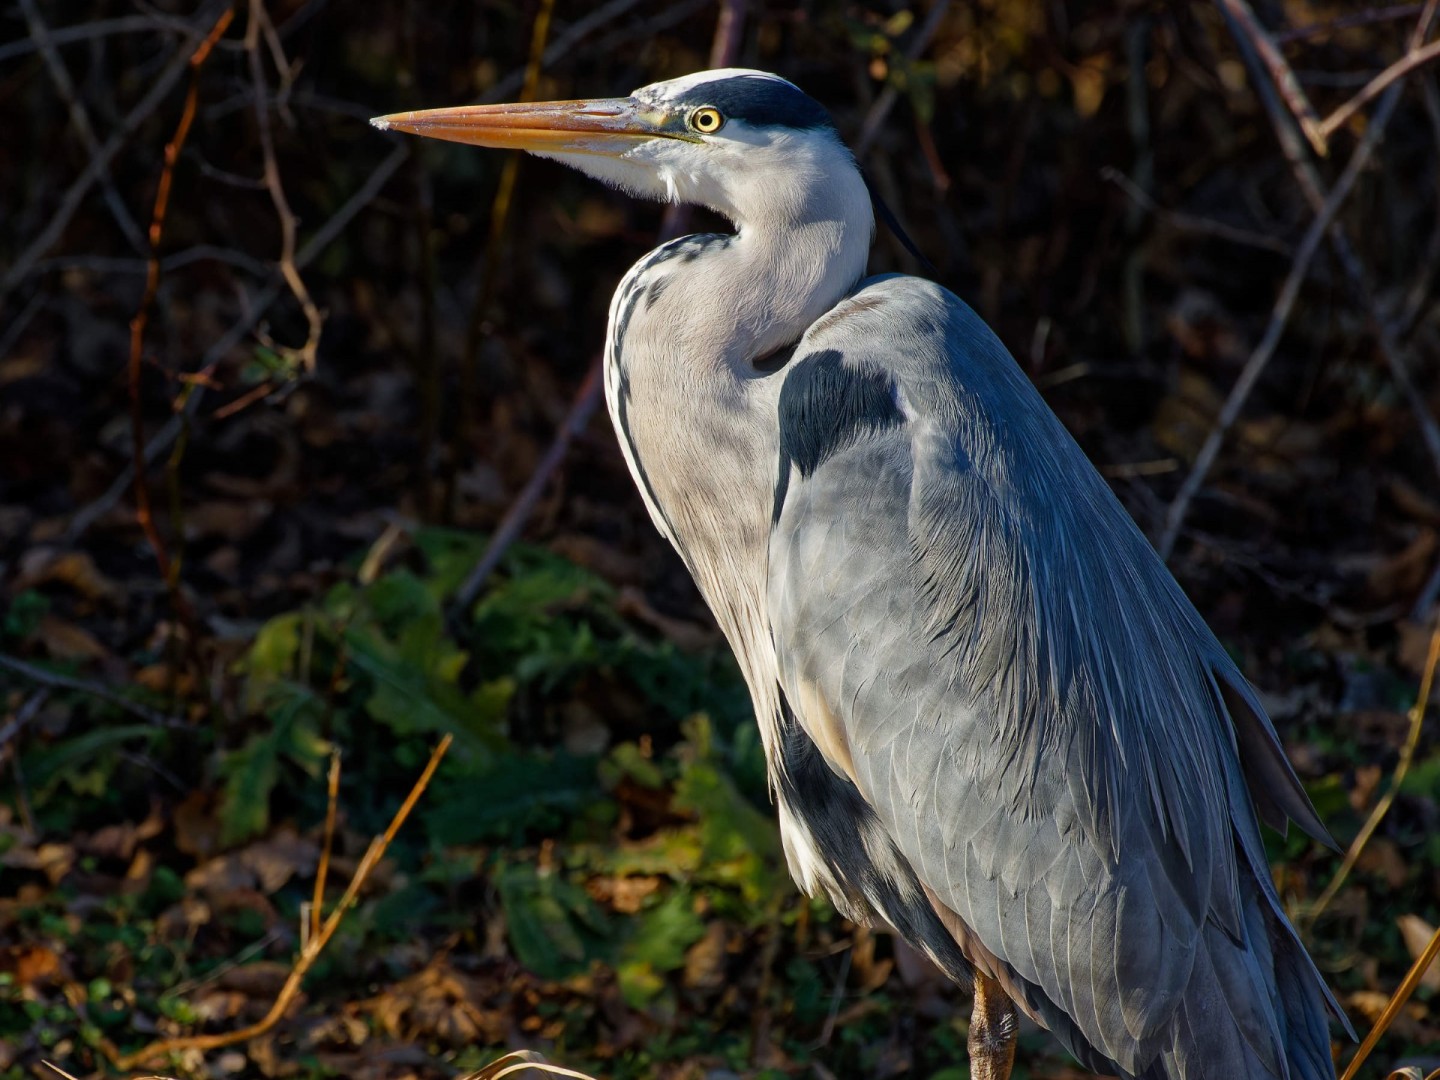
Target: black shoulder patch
759 101
824 407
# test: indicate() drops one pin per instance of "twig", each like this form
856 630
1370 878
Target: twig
1395 1004
332 799
93 689
161 440
288 270
513 523
144 513
1191 223
23 715
1314 191
1347 22
1279 317
75 194
11 337
1376 86
1407 753
312 948
886 101
1240 14
65 87
89 31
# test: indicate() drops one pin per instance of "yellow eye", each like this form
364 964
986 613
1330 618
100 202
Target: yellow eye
707 121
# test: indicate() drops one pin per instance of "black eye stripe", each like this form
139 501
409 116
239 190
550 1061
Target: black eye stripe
759 101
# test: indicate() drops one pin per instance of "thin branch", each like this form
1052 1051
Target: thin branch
143 511
259 20
1239 14
71 200
489 271
1279 318
1377 86
69 35
513 523
1191 223
22 716
92 689
1347 22
312 948
309 251
65 87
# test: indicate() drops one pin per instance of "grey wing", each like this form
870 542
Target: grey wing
972 632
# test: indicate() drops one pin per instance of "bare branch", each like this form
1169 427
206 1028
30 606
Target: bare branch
288 270
161 440
65 87
70 201
1376 86
1279 318
1240 14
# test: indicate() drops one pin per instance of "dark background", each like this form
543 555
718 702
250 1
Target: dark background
594 871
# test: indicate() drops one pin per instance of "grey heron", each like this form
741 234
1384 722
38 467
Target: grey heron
992 719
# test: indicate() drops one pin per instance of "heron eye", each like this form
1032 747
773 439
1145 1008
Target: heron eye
707 121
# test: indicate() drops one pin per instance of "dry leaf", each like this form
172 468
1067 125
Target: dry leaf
1417 934
76 569
64 640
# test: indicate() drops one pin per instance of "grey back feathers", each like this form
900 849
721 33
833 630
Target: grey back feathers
1032 707
992 719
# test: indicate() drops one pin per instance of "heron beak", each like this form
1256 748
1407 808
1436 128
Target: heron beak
608 126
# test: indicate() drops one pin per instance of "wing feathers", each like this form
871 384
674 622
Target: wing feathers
1035 713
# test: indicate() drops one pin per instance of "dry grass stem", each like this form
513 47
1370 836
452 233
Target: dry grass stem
1399 998
332 800
313 947
519 1061
1407 754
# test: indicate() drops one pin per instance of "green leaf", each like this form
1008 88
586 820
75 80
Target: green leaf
253 771
552 922
739 845
518 792
665 932
66 760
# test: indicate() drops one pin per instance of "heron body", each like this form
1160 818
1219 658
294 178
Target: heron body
992 719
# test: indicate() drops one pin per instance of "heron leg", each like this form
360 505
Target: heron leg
994 1026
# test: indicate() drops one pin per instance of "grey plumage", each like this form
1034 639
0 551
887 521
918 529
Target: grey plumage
1034 711
992 719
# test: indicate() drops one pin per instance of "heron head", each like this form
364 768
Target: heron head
735 140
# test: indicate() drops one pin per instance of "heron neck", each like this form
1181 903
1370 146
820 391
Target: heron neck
696 417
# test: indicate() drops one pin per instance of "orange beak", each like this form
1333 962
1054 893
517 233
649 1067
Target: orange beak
608 126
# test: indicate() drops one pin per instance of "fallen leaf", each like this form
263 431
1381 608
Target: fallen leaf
64 640
1417 934
30 964
278 858
75 569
